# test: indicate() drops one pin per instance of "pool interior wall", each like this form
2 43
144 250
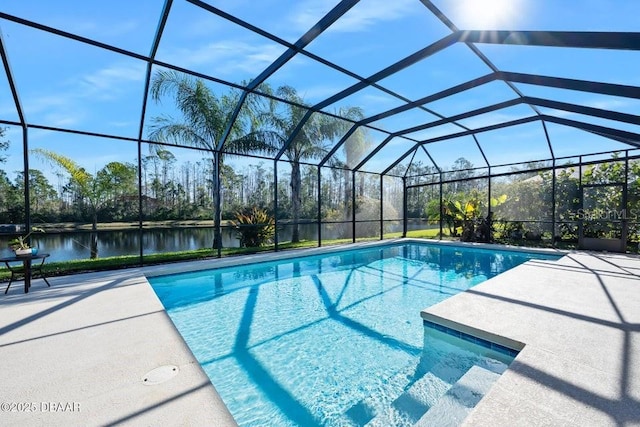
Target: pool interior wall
249 351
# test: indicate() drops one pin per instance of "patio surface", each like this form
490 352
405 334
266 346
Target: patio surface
78 353
579 321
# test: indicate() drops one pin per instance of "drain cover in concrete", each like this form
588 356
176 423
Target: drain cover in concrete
160 374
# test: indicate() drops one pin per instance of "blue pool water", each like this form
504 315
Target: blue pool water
335 339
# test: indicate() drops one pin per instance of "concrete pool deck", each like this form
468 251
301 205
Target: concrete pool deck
579 321
78 353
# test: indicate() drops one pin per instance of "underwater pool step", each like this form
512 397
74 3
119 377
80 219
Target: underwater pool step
413 402
452 408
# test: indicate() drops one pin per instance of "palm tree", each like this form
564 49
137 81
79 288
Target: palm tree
311 142
203 122
109 183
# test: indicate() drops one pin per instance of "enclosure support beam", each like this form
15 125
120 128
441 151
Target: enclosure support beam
576 39
275 205
404 206
353 206
553 185
381 207
489 211
553 204
625 199
581 196
27 197
441 208
217 223
319 206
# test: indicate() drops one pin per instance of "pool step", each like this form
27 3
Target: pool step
425 392
413 403
370 410
452 408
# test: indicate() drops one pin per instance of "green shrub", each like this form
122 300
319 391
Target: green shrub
254 227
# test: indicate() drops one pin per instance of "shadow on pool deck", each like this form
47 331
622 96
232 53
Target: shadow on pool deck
580 322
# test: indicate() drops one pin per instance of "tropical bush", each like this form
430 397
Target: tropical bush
255 227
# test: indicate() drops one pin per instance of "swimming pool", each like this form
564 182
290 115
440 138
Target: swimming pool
335 339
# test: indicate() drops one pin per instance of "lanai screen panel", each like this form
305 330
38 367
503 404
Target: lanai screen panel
189 111
567 190
389 152
297 209
422 169
522 206
295 19
371 35
131 28
423 202
214 46
337 205
368 213
12 202
458 198
311 80
392 205
569 141
311 139
370 100
456 154
524 143
479 96
85 181
437 131
497 117
423 210
355 147
436 73
633 194
102 93
177 187
398 123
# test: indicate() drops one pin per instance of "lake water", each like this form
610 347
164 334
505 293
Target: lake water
76 245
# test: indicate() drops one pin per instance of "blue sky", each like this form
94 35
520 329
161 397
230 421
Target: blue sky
64 83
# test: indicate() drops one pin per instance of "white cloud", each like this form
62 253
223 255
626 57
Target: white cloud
101 30
38 104
226 58
363 15
64 119
122 124
66 105
314 94
610 104
109 82
105 83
